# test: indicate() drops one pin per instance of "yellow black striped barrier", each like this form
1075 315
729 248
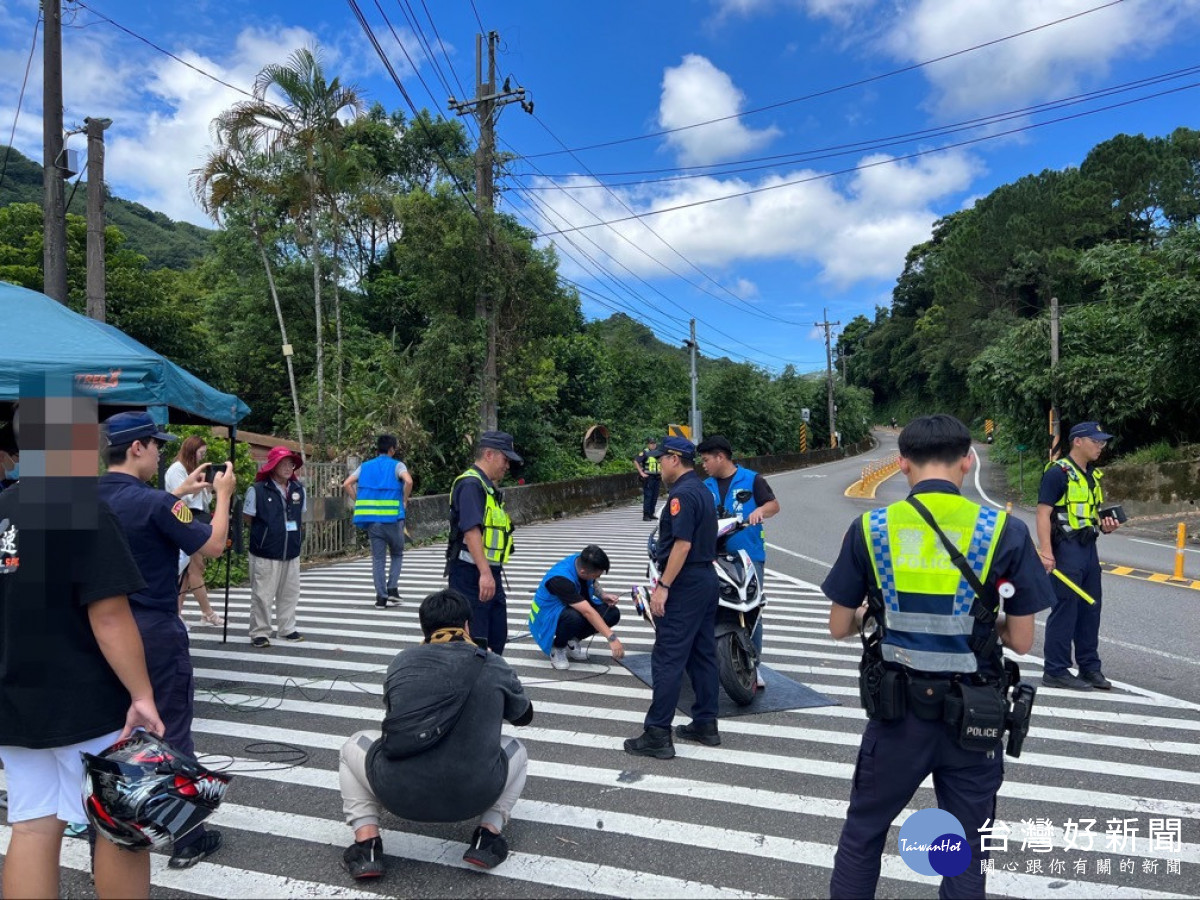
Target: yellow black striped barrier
1146 575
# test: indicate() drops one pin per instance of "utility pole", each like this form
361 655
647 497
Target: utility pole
54 216
1055 424
486 107
95 217
694 420
827 325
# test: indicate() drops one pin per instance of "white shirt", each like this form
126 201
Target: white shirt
177 475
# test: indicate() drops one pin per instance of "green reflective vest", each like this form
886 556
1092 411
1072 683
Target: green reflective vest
652 466
926 600
1078 509
497 526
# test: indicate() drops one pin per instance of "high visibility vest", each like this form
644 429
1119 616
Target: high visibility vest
545 609
1078 509
750 538
926 600
497 526
652 467
380 496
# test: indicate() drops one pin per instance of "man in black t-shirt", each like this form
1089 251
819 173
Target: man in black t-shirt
73 674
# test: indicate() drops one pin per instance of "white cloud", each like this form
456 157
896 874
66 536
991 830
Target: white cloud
856 232
697 91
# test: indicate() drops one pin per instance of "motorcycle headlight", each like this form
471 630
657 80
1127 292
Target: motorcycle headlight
727 590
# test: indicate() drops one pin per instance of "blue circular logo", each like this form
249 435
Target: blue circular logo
932 842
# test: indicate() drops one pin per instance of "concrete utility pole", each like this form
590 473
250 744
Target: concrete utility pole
95 217
54 216
486 107
829 375
694 419
1055 424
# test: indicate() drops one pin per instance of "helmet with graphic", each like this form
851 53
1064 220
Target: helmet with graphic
141 792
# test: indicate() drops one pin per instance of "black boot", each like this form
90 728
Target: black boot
654 742
701 732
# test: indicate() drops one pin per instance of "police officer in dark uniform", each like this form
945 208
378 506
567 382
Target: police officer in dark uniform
158 526
1068 524
684 606
651 475
933 683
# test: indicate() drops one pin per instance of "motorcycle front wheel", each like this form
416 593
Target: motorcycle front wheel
736 669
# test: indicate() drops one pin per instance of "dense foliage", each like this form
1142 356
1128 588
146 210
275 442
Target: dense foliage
1115 240
342 235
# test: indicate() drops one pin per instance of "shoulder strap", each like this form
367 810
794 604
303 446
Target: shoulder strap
990 643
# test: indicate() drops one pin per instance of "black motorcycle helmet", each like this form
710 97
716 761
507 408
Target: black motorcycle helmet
141 792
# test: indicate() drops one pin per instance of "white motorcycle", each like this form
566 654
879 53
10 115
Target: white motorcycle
740 603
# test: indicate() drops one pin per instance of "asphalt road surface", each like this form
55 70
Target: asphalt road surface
758 816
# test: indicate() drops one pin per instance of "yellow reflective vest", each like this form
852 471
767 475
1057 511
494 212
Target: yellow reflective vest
497 526
1078 510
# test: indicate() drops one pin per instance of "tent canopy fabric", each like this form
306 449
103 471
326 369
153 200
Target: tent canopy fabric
41 338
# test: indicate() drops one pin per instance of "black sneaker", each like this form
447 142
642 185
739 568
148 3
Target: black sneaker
394 593
700 732
487 850
1066 680
364 859
1097 680
295 637
655 742
259 642
385 602
196 851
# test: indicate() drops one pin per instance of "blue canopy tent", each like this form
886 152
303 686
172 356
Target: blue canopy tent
42 337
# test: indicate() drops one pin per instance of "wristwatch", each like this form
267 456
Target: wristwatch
612 637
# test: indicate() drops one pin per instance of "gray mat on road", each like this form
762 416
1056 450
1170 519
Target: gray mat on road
780 693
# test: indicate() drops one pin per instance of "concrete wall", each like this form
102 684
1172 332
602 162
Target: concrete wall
1146 490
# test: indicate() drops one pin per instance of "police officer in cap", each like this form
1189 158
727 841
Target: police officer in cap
481 538
1068 523
684 606
932 649
651 475
158 527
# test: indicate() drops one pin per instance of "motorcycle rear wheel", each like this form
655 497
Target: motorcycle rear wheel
736 669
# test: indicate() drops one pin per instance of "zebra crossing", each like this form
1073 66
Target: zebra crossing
758 816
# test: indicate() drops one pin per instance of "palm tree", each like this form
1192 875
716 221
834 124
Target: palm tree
306 125
226 181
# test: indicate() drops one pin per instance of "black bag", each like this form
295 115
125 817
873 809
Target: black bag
976 714
436 693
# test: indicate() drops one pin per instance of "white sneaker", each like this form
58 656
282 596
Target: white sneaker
758 676
576 652
558 658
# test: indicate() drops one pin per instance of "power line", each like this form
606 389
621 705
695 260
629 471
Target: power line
839 88
884 162
734 167
410 16
37 21
148 42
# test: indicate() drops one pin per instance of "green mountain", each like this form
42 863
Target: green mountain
165 242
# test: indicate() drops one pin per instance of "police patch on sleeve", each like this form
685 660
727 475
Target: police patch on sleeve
675 506
181 511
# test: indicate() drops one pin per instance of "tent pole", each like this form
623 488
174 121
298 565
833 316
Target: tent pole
229 535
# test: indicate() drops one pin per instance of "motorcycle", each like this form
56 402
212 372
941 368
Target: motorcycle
739 604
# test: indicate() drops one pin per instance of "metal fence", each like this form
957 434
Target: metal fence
328 529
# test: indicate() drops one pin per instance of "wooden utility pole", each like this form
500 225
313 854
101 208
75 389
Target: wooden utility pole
95 217
54 216
827 325
485 107
1055 424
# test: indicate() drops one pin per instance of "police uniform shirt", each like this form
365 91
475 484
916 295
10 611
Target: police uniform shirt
1015 559
158 526
469 501
689 516
1053 489
56 688
642 459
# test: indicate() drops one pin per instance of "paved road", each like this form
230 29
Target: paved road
758 816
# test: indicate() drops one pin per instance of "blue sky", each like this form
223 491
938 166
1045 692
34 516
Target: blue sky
754 224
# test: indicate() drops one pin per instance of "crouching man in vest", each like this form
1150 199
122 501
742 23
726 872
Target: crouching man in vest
440 756
569 607
933 681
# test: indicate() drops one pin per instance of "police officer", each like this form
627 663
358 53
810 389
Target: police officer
380 489
933 651
684 606
481 538
651 475
158 527
740 492
1068 523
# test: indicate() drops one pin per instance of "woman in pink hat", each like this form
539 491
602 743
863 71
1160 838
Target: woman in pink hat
274 510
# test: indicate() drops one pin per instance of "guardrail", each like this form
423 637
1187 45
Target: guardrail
873 475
